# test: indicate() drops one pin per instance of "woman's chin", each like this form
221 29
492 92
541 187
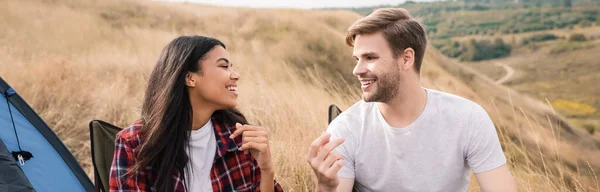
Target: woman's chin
229 105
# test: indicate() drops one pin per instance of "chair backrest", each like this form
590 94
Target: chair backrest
102 138
334 111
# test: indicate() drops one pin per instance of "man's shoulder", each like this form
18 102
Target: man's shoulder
458 105
353 116
356 112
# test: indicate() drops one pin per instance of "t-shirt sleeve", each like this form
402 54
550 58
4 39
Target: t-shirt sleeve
347 149
484 151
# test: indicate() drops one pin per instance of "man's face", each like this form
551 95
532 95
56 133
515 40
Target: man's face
376 68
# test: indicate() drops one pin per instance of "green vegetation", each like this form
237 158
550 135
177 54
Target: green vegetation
448 19
578 37
484 49
468 22
539 38
475 50
590 128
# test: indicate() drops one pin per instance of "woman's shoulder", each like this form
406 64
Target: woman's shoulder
132 132
223 129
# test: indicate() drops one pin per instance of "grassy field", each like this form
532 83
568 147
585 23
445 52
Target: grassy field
75 61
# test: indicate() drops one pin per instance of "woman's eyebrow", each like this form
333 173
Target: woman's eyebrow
223 59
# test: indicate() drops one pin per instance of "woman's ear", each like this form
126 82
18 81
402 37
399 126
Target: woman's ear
190 80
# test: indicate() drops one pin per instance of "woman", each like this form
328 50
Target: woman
190 137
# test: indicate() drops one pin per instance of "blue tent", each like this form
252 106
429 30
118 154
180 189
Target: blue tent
32 157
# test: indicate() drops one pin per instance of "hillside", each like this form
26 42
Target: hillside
551 62
85 60
555 68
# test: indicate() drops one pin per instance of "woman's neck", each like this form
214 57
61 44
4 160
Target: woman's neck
201 113
199 121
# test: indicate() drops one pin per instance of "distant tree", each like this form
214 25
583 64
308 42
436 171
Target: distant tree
410 2
568 3
484 49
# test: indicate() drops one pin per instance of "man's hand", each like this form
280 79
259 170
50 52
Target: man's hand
255 140
326 163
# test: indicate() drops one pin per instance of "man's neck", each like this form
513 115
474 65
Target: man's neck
405 107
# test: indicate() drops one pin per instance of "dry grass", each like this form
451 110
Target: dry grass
75 61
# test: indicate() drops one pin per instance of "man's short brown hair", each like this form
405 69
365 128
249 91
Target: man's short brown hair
399 28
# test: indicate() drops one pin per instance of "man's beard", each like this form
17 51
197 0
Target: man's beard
387 87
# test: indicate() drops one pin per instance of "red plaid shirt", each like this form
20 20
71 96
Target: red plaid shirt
232 170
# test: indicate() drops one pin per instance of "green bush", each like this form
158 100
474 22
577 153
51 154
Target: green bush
484 49
590 128
539 37
452 49
478 7
577 37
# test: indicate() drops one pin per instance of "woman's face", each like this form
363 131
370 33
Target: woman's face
215 84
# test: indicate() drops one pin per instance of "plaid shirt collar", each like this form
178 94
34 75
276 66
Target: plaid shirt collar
224 143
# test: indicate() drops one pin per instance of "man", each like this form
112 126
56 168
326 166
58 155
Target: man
401 136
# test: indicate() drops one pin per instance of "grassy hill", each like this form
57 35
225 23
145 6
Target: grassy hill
556 68
82 60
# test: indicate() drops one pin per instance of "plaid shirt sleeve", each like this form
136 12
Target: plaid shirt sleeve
123 159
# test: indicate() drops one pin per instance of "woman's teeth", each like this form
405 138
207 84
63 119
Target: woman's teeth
232 88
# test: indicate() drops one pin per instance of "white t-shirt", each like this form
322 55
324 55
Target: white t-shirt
203 147
434 153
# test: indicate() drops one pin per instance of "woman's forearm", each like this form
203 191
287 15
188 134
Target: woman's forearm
267 180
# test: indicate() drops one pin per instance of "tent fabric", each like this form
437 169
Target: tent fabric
12 177
53 167
102 138
334 111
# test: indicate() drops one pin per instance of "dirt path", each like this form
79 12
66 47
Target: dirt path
509 73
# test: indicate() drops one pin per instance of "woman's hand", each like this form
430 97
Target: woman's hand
255 140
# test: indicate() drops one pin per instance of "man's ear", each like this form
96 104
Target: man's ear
190 80
407 58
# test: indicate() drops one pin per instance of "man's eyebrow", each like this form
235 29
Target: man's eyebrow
365 54
368 54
